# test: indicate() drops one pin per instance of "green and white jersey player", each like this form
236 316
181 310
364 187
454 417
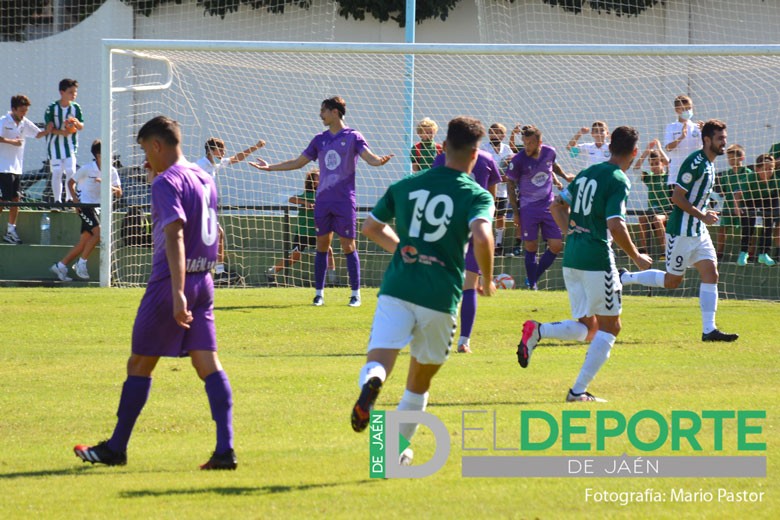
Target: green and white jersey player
434 213
591 211
688 242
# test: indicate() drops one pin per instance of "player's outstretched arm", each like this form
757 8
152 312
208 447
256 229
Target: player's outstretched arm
482 235
576 137
174 253
373 159
292 164
240 156
380 233
560 173
617 226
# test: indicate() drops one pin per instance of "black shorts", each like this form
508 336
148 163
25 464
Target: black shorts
9 186
502 205
90 219
300 243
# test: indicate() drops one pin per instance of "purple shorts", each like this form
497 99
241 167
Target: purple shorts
155 333
471 260
339 218
538 216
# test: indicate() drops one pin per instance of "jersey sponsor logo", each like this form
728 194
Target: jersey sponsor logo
332 159
687 177
409 254
540 179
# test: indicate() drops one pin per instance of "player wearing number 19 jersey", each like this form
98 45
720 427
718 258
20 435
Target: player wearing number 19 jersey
597 200
434 213
688 242
176 315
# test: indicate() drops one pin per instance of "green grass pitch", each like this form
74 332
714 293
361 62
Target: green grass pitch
294 371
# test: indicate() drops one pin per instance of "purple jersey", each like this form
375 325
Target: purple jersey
533 176
486 172
187 193
337 156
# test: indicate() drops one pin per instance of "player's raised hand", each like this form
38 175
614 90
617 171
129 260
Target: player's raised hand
259 144
584 130
487 289
643 261
181 314
260 165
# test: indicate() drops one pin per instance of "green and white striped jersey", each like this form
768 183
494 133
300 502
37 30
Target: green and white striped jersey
59 146
696 177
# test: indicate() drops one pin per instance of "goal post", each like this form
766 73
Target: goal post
241 92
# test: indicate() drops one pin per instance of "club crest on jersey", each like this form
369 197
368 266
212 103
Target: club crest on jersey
332 160
409 254
687 177
539 179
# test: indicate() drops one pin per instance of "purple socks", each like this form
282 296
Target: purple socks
468 312
320 268
221 401
135 392
545 261
353 269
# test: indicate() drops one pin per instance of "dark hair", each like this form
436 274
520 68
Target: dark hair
214 143
95 148
20 100
336 103
162 127
530 131
623 140
654 155
464 133
765 158
710 127
309 185
66 83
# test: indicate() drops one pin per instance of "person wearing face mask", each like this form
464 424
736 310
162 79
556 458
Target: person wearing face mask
681 138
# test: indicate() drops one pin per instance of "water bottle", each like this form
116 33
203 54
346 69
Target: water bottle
45 229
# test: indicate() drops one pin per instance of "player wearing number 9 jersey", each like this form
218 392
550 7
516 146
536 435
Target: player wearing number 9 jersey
434 213
592 212
176 315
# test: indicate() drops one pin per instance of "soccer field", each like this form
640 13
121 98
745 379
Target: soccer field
294 368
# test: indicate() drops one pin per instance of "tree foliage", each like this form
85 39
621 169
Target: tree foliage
616 7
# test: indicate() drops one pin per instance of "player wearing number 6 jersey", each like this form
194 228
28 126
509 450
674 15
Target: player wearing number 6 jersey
176 315
688 241
588 211
434 213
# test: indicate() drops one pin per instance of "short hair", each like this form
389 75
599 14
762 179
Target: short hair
164 128
214 143
599 124
682 100
20 100
464 133
95 148
710 127
530 131
309 185
66 83
623 141
427 123
765 158
336 103
654 155
498 126
733 149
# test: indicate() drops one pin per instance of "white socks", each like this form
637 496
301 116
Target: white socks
369 370
597 355
356 293
649 278
499 236
708 302
413 402
569 330
463 340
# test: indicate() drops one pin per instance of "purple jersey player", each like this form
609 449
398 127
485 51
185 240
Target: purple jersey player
337 150
487 174
530 177
176 315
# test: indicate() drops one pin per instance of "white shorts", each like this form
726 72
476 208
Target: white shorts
683 252
66 166
398 323
593 293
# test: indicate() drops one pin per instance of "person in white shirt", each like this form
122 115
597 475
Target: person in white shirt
502 154
211 163
681 138
14 128
595 152
84 187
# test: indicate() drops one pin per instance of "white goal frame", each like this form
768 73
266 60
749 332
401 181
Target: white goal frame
113 47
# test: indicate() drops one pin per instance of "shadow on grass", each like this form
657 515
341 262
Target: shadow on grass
44 473
482 403
261 306
233 491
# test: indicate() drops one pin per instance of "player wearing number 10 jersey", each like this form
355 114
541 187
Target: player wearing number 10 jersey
434 213
597 200
176 315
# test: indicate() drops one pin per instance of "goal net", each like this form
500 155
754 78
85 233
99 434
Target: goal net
241 92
